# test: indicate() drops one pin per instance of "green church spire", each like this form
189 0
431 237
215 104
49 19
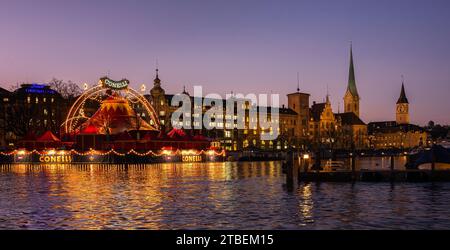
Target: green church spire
351 76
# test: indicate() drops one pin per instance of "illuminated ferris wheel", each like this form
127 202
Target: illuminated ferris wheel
118 106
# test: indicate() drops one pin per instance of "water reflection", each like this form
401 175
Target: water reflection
209 196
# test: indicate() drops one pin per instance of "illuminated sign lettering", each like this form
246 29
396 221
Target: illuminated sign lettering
38 89
192 158
122 84
55 159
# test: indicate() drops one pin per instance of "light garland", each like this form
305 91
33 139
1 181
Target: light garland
92 152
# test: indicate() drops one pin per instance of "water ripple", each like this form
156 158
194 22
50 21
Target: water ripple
208 196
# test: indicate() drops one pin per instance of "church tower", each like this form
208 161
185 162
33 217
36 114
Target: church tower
158 100
402 114
351 98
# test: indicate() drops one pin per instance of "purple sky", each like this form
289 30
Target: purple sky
241 46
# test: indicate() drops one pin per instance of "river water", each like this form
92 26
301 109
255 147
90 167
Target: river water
208 196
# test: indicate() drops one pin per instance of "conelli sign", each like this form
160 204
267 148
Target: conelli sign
122 84
55 158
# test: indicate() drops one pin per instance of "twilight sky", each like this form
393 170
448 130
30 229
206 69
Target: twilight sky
242 46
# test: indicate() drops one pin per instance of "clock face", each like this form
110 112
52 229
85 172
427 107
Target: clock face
402 109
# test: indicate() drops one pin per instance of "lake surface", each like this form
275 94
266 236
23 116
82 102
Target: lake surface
209 196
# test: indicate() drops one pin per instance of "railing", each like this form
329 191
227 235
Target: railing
334 166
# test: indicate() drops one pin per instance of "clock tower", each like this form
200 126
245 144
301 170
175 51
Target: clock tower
402 113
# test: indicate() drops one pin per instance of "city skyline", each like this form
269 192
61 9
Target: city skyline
260 46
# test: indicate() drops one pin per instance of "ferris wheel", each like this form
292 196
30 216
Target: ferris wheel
107 89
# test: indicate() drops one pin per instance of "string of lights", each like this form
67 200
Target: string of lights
93 152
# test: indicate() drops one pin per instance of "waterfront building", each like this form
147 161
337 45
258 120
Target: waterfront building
398 134
32 108
291 126
6 134
353 131
322 124
339 130
299 103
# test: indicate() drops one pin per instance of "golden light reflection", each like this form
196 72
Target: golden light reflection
306 202
138 196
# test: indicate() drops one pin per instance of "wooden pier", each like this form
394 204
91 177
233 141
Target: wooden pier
375 176
299 169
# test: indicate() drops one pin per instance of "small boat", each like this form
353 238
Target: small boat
424 158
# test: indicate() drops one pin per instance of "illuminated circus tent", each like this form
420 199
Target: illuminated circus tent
120 109
115 116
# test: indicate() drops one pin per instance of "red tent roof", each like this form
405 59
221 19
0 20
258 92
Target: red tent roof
90 129
176 133
119 115
48 137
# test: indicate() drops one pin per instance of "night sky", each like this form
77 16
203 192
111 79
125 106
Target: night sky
241 46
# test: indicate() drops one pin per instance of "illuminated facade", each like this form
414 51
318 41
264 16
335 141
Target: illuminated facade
339 130
398 134
32 108
290 123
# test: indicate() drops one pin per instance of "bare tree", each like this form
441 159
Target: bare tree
19 119
67 89
16 86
